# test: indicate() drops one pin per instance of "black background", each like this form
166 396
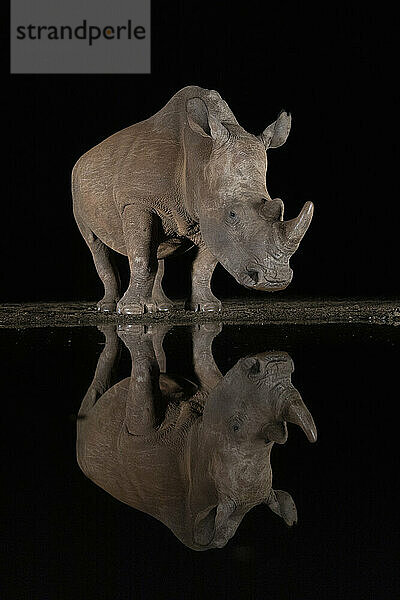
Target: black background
333 67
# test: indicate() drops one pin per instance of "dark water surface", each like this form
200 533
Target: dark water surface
68 538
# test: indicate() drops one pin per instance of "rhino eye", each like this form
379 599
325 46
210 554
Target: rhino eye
232 214
235 423
264 200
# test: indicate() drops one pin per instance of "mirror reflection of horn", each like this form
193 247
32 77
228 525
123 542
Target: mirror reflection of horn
298 414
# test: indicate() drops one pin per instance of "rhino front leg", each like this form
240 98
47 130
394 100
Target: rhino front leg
140 233
204 364
159 332
144 389
202 299
162 302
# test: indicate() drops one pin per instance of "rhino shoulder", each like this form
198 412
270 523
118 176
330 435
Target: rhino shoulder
179 419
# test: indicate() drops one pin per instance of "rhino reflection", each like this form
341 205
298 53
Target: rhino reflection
207 463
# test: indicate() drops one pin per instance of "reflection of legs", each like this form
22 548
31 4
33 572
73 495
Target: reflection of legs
202 298
144 389
205 368
162 302
105 267
105 366
159 332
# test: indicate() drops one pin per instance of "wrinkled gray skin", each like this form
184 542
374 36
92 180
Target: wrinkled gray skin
207 463
189 175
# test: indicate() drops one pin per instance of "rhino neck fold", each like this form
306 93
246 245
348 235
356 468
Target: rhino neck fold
195 155
196 473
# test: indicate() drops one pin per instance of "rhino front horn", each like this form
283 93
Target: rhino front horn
295 229
298 413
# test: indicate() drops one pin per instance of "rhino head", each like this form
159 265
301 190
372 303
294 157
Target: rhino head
241 224
243 416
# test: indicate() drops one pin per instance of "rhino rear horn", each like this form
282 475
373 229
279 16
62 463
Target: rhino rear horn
294 230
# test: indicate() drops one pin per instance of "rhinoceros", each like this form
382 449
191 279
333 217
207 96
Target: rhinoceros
190 175
206 462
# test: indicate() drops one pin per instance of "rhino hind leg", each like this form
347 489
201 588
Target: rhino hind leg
106 365
202 299
105 267
140 234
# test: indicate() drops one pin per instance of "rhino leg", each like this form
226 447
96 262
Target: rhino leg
140 234
202 299
162 302
105 365
159 332
105 267
205 367
144 389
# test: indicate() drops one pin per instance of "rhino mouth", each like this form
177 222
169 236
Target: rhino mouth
256 279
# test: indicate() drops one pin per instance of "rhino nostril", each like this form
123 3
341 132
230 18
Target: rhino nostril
253 275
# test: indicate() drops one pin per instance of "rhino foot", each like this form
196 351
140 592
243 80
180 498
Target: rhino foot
105 305
142 306
128 331
163 303
135 308
165 307
204 305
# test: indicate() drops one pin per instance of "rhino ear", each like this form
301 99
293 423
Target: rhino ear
204 123
282 504
208 521
204 527
277 133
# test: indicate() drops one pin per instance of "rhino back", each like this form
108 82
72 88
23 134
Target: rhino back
133 165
